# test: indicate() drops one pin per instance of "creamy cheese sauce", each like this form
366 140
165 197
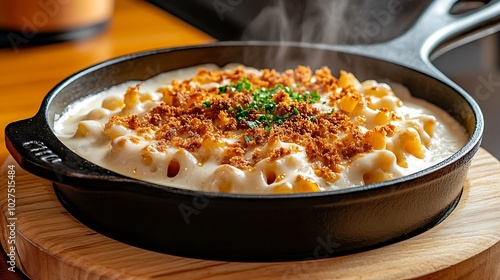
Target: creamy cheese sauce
126 157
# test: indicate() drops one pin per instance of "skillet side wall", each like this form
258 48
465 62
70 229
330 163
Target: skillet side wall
266 230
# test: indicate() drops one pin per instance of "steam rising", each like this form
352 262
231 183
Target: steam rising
330 22
295 21
302 21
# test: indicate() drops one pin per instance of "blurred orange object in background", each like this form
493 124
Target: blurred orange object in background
42 21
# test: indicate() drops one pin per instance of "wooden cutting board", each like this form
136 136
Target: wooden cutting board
51 244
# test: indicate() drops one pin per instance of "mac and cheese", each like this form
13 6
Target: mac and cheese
243 130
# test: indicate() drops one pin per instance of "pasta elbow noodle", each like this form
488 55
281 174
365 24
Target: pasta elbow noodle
373 88
285 188
89 129
113 131
373 168
348 80
387 102
223 178
377 139
381 117
113 103
348 102
132 97
410 140
303 184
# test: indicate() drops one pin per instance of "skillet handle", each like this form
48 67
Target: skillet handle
35 147
435 26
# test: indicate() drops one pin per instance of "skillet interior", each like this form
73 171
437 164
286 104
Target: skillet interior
253 227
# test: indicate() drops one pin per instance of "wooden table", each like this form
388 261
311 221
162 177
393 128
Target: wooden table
28 74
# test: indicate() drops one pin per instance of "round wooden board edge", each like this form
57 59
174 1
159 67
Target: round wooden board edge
479 265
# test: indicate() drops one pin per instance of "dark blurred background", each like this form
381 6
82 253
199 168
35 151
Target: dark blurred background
318 21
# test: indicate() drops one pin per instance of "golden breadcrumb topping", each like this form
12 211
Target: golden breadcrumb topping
313 110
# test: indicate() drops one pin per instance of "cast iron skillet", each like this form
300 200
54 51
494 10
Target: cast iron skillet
263 227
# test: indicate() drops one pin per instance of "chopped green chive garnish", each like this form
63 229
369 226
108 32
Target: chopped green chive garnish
239 87
252 124
241 114
314 97
248 138
223 89
207 104
263 104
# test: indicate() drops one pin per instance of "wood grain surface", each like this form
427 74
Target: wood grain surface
51 244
